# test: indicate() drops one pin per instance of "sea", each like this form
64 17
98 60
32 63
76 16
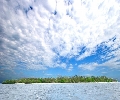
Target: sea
61 91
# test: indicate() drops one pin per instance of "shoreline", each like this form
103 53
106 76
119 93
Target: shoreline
69 83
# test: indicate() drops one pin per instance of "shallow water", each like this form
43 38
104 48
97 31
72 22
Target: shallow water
65 91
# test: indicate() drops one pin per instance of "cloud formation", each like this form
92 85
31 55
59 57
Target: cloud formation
36 34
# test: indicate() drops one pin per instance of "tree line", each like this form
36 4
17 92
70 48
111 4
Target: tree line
61 79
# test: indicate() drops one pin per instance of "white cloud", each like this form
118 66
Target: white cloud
36 36
104 72
111 62
60 64
89 66
70 68
48 74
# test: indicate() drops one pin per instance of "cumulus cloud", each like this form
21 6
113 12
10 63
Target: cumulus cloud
70 68
36 33
89 66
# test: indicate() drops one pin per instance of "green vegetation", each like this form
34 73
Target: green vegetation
74 79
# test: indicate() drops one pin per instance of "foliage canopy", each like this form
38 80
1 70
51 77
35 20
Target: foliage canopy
61 79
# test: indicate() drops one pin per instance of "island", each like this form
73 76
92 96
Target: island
61 79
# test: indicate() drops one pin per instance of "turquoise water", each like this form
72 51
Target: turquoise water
67 91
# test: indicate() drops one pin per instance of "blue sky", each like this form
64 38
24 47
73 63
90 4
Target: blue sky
49 38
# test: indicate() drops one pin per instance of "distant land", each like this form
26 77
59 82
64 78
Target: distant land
61 79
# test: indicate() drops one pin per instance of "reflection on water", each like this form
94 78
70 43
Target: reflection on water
65 91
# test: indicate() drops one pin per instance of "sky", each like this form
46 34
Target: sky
50 38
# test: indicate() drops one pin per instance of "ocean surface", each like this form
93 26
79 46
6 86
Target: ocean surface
60 91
